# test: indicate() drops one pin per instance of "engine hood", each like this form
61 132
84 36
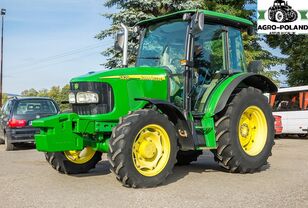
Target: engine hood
142 73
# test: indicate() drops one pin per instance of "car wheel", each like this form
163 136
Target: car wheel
8 146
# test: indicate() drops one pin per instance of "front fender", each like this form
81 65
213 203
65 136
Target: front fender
176 116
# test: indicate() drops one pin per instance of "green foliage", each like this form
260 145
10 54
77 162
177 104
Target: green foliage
295 47
56 92
132 11
4 98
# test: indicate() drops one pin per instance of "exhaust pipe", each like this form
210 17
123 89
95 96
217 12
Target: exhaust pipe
125 47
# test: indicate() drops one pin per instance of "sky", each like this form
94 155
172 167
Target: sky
47 42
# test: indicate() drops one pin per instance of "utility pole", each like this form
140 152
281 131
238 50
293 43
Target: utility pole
3 12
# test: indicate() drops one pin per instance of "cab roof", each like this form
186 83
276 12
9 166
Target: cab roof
209 15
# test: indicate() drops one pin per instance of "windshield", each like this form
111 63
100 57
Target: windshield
164 45
27 107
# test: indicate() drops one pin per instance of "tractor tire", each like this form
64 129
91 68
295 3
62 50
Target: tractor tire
244 132
61 162
271 15
186 157
293 16
280 16
8 146
143 149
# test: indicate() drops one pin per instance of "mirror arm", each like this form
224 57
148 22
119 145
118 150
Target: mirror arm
125 48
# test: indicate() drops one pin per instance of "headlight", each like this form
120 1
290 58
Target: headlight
87 97
71 98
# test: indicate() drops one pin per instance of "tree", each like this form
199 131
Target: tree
29 93
4 98
295 47
133 11
56 92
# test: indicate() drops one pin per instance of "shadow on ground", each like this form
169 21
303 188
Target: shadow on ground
205 163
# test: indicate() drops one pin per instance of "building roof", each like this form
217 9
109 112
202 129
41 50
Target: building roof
293 89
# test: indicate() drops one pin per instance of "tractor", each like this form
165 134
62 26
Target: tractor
189 90
281 12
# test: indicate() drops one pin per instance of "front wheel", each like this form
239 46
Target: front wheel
74 162
245 132
143 149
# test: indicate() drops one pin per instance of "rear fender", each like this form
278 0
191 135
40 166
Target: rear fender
221 94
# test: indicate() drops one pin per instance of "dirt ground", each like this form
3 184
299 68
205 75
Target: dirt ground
27 180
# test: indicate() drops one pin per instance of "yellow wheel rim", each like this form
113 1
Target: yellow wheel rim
80 157
252 130
151 150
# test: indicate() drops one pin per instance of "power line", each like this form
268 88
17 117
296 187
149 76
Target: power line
37 68
60 55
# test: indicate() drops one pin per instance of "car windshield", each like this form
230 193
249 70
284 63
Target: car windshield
163 45
27 107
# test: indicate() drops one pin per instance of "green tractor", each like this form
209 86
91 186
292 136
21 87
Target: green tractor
189 91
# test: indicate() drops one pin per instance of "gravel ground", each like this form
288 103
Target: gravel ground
27 180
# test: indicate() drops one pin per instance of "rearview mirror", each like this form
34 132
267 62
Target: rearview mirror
197 23
119 42
255 66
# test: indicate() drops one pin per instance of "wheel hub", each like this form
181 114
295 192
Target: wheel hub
147 149
80 157
244 130
151 150
252 130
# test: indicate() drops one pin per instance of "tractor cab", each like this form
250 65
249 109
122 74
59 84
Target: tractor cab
215 50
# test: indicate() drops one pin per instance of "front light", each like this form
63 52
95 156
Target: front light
71 98
87 97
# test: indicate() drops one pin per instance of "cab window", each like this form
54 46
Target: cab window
237 56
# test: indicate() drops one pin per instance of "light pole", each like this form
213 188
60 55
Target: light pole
3 12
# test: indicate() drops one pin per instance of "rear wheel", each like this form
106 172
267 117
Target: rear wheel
245 132
293 16
143 149
186 157
74 162
8 146
302 135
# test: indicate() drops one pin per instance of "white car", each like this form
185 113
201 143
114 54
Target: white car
292 105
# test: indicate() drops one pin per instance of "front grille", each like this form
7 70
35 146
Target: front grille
106 100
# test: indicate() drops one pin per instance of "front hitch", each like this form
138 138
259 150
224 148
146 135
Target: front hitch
58 133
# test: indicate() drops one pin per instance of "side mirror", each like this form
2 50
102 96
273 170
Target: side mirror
197 23
255 66
119 42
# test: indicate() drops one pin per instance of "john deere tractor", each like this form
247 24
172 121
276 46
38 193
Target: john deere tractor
281 12
190 90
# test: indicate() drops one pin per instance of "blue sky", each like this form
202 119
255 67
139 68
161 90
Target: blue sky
47 42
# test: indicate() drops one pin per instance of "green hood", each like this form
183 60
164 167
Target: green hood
143 73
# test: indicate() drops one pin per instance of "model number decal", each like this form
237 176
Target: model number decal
141 77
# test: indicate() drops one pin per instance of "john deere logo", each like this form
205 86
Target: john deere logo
76 85
282 12
279 17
